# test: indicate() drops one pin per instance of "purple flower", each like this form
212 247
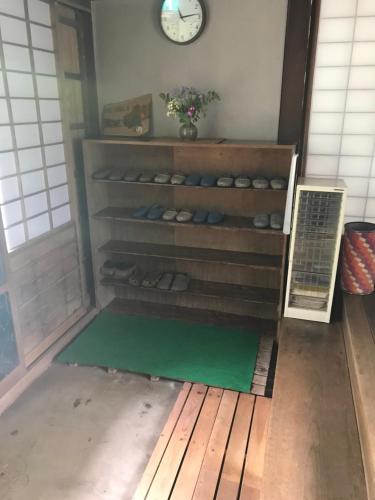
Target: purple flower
191 111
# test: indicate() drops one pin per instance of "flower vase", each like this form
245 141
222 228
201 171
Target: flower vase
188 132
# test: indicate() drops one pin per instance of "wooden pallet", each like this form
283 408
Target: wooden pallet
212 446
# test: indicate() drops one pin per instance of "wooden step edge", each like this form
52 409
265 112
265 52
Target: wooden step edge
267 327
114 247
196 293
360 350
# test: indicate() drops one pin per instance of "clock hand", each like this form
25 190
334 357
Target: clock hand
189 15
181 16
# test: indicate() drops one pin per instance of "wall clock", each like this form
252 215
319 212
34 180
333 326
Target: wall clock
182 21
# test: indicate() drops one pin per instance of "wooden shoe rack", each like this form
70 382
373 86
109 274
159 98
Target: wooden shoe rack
236 270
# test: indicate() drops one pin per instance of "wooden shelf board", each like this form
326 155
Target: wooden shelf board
193 254
212 289
230 223
191 315
232 190
175 142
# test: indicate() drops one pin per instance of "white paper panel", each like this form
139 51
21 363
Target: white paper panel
15 237
52 132
328 100
38 226
5 138
337 8
12 7
44 62
359 123
356 186
56 175
4 115
365 29
54 154
47 87
363 53
366 8
370 210
357 145
20 85
354 166
333 54
324 144
50 110
322 165
7 164
373 167
336 30
362 78
24 110
27 135
355 206
331 78
59 196
61 216
9 189
371 189
30 159
13 30
2 88
17 58
36 204
41 37
11 213
33 182
39 12
326 123
360 100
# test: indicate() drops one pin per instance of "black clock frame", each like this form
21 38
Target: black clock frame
201 29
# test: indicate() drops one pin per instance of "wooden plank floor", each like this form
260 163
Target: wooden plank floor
212 446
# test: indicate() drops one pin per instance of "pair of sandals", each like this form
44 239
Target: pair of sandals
274 221
157 212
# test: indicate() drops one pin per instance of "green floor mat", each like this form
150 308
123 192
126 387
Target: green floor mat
221 357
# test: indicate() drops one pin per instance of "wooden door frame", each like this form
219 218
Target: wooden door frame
298 71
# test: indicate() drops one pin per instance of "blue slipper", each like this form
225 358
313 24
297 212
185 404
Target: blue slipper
155 212
200 216
208 181
141 212
215 218
193 180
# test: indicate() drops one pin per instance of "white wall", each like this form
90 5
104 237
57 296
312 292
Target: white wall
342 123
240 55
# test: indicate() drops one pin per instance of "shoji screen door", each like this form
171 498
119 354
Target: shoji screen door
37 187
342 123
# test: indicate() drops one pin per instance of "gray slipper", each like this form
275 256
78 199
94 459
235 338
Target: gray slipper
242 181
184 215
146 177
136 278
261 221
124 270
178 178
165 281
180 282
277 220
170 214
102 174
151 279
261 182
116 174
131 176
279 183
108 268
225 181
162 178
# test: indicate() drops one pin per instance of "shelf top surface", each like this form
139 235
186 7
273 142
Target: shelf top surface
173 142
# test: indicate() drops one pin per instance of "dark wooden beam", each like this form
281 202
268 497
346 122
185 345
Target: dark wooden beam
77 4
296 60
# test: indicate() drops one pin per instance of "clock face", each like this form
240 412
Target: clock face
182 21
